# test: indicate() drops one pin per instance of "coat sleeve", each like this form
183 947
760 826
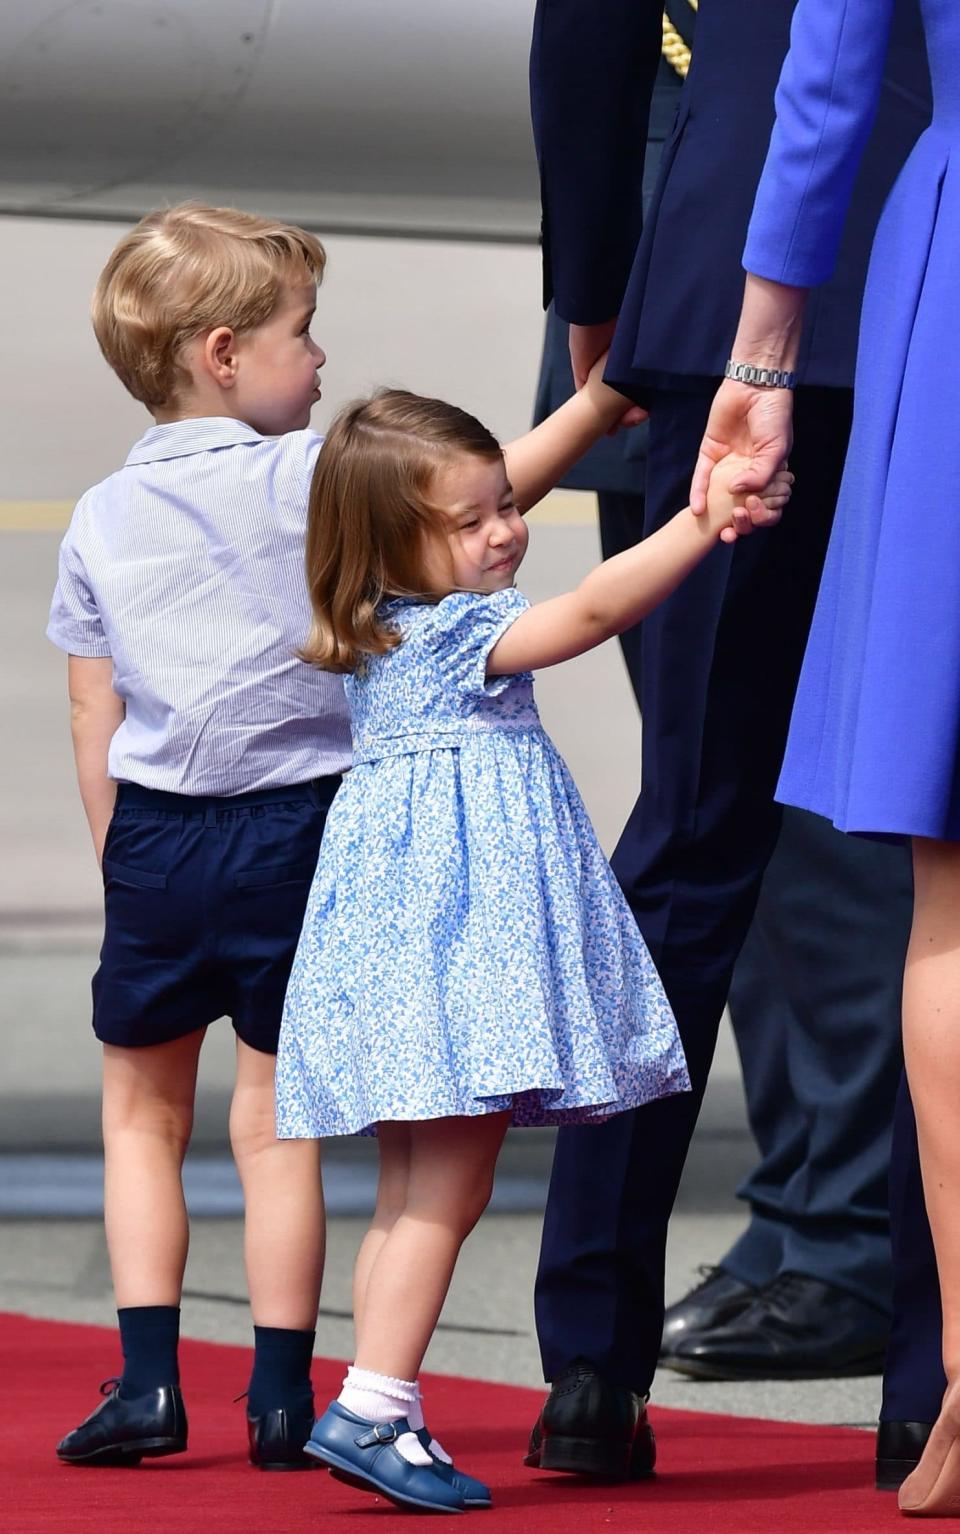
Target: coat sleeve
592 68
826 103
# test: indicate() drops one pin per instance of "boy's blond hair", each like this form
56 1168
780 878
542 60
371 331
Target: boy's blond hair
188 269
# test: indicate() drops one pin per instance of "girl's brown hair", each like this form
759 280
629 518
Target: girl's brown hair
370 516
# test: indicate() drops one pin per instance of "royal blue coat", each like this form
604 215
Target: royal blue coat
874 739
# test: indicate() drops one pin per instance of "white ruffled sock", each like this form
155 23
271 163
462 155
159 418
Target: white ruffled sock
415 1419
381 1398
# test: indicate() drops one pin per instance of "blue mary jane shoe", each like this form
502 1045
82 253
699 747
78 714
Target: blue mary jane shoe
473 1492
364 1455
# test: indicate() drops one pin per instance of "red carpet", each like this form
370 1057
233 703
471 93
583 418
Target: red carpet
719 1475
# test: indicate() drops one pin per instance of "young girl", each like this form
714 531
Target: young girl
467 959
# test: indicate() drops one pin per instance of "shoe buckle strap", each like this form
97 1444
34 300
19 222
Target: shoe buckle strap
383 1432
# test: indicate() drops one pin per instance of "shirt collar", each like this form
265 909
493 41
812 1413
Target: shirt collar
179 439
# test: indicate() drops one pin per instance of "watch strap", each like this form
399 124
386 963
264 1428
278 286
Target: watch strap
760 378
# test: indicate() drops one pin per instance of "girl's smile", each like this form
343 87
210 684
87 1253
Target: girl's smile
488 537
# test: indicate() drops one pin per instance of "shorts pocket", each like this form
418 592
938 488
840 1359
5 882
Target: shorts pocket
141 878
275 873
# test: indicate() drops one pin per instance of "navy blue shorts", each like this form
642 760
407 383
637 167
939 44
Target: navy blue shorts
204 902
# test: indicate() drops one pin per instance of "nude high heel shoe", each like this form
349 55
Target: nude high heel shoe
933 1489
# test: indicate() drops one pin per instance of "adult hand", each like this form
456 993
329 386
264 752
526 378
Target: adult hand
588 344
757 425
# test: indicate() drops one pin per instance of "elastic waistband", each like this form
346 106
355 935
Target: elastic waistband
135 796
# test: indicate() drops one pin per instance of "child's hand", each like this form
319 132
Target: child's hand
733 516
616 408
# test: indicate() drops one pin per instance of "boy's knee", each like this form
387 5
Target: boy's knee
124 1114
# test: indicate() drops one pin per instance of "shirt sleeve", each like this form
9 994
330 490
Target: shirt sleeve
463 630
75 624
297 454
827 100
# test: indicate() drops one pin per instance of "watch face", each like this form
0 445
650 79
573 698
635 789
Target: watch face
679 19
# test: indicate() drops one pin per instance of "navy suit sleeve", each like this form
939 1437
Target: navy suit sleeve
826 102
592 68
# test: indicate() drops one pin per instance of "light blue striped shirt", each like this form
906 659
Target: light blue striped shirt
186 568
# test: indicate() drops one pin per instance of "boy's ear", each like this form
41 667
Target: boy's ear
220 356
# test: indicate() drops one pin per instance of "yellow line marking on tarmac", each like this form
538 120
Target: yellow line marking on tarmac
34 516
561 508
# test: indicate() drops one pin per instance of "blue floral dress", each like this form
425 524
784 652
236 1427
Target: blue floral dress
466 948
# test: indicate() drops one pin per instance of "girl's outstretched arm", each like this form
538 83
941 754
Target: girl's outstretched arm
621 591
537 461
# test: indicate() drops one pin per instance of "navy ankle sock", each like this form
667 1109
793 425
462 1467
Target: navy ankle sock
281 1370
148 1336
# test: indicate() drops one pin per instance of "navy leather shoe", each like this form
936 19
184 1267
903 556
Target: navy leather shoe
798 1328
592 1428
473 1492
899 1447
276 1439
718 1299
122 1432
364 1455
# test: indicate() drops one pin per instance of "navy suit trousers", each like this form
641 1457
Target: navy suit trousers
815 1004
720 660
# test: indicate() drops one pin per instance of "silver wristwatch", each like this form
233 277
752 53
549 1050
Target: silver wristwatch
760 378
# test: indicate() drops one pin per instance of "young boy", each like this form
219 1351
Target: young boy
207 757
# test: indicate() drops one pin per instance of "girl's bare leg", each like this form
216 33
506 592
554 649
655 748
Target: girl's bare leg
931 1037
451 1168
284 1226
394 1147
147 1119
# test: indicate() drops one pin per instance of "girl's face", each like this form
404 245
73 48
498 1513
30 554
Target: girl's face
487 536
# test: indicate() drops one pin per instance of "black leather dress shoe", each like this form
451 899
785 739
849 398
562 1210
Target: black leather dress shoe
122 1432
899 1447
798 1328
714 1302
277 1438
590 1427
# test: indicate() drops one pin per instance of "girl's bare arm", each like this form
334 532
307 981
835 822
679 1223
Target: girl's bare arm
621 591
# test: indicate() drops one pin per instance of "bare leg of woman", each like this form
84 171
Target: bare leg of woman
931 1036
451 1167
147 1119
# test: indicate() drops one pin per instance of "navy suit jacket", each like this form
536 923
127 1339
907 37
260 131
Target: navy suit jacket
614 463
678 289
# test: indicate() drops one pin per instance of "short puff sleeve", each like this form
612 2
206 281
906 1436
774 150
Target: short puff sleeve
464 628
75 624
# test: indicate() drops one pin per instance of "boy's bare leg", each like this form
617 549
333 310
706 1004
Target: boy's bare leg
148 1096
394 1145
284 1233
